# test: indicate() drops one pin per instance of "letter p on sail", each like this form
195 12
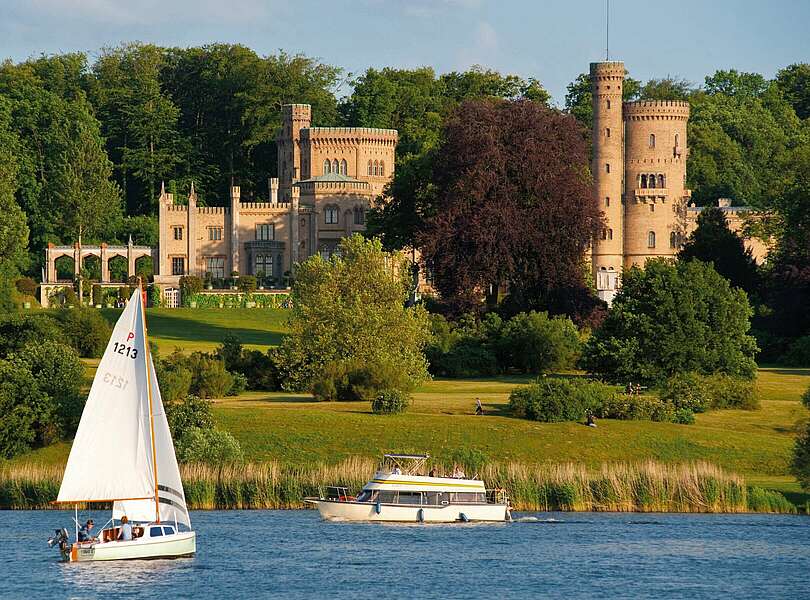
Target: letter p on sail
130 335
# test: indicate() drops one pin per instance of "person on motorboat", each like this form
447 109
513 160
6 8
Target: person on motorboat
458 472
85 532
396 471
126 530
432 472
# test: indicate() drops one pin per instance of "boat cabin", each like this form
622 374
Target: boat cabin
151 530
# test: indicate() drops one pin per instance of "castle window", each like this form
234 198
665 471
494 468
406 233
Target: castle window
608 104
651 181
661 181
610 234
652 207
331 215
676 140
651 239
652 140
343 167
643 181
382 168
178 232
327 167
673 240
607 131
214 233
178 265
369 167
216 266
335 166
265 231
607 202
359 215
376 168
607 167
263 265
604 234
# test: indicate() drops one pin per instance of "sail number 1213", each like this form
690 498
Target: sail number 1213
125 350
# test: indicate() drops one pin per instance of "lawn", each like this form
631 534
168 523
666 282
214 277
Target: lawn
192 329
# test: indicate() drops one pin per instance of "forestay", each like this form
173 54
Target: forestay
111 458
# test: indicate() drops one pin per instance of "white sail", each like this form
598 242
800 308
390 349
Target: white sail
112 455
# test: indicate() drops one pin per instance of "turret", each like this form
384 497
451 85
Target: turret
236 198
294 118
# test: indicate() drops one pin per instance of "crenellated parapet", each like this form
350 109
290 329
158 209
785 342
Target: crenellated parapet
660 110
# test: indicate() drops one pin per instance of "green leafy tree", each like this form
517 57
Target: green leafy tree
714 242
534 343
22 404
671 318
667 88
800 461
579 99
794 81
351 309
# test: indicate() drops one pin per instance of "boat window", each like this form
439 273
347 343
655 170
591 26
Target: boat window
410 498
468 497
155 532
386 496
367 496
168 531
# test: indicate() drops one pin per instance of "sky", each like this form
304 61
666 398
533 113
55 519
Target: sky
550 40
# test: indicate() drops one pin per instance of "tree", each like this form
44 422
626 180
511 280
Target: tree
668 88
351 309
671 318
512 205
714 242
13 228
21 404
800 462
794 81
534 343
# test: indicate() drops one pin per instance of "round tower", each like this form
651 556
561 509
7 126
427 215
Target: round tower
606 88
655 179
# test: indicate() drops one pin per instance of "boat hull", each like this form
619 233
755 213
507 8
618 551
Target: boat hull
398 513
170 546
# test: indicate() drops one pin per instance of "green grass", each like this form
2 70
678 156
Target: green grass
192 329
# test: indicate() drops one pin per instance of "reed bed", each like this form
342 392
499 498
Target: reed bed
649 486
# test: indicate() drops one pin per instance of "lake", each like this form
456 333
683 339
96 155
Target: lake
293 554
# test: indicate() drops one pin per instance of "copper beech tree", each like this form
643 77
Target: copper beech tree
513 205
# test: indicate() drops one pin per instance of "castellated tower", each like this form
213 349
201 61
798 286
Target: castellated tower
607 169
655 197
294 118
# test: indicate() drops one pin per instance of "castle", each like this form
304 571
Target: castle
329 176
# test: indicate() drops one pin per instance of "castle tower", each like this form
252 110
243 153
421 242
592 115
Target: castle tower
655 196
294 118
607 169
236 208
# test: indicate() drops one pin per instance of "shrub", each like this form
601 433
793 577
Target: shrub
209 446
154 296
352 382
96 295
535 343
174 376
555 400
70 298
85 330
59 374
628 407
209 377
699 393
798 353
806 398
684 416
26 286
260 369
188 413
800 462
189 285
23 406
238 386
469 357
389 402
18 330
247 283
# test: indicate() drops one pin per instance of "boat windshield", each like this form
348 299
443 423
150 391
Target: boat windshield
404 464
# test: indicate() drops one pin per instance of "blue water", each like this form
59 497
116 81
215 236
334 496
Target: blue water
293 554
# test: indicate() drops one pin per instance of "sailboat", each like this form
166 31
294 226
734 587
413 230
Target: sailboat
123 455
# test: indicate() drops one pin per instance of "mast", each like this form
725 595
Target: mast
146 355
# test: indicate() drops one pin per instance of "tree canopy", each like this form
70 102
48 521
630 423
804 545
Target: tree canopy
672 318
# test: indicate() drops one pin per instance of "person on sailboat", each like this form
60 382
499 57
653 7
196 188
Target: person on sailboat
126 530
85 532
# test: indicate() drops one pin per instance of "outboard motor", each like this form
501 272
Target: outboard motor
59 539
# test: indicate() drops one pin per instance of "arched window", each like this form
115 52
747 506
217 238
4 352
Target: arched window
369 167
343 167
382 168
607 167
327 167
607 202
673 240
677 138
643 181
610 234
608 104
652 140
651 181
376 168
335 166
359 215
331 215
604 234
607 131
651 239
661 181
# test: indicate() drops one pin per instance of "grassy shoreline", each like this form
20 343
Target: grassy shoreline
649 486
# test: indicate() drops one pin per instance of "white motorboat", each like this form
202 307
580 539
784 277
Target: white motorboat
123 455
399 493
